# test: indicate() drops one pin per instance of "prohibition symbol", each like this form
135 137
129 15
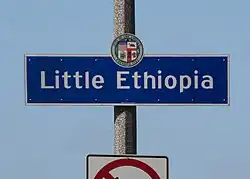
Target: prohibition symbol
103 165
104 172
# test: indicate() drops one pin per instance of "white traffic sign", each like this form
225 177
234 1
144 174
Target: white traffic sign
127 167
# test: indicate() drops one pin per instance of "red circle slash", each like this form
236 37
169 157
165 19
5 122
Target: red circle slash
104 172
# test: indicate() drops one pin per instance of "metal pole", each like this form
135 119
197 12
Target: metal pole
125 140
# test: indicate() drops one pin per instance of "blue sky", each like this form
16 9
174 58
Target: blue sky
52 142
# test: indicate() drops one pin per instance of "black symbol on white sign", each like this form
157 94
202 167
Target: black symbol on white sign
105 167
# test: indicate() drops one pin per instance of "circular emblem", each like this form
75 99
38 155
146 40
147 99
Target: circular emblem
127 50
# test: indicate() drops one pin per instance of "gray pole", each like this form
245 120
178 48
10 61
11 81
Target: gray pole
125 140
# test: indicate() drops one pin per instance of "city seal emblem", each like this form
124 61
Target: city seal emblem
127 50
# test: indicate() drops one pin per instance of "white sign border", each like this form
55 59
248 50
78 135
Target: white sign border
127 104
127 156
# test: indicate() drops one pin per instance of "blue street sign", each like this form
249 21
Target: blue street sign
98 80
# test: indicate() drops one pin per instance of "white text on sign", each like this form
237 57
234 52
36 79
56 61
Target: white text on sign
143 80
